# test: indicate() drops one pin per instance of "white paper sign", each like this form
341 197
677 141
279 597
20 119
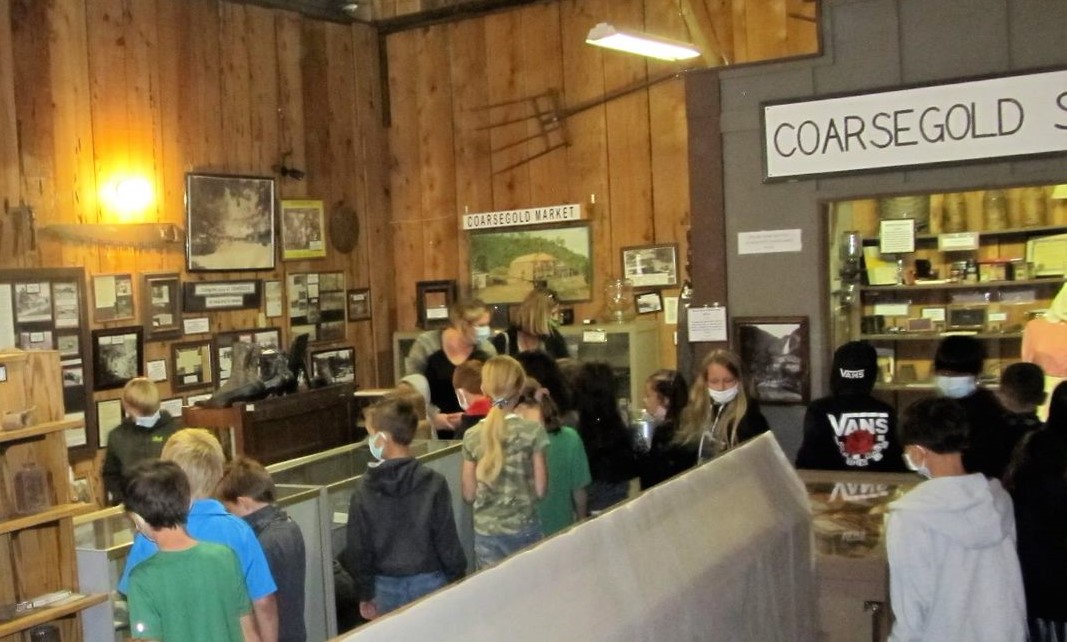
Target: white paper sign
768 242
198 325
594 336
958 241
992 118
891 309
707 324
896 236
670 310
156 370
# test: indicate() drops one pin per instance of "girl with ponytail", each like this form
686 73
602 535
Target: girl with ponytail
504 472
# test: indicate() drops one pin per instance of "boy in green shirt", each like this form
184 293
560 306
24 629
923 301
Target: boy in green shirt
189 590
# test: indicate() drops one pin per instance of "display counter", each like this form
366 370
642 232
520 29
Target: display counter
848 511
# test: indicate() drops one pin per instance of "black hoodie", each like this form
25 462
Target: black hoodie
400 523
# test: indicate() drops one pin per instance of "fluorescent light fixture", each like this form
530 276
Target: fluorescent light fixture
605 35
1059 192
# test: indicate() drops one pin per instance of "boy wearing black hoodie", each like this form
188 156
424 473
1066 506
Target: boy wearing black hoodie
402 540
850 429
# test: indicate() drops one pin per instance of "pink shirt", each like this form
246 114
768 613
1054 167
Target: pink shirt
1045 344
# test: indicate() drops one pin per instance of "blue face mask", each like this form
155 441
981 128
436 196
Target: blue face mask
376 444
482 332
147 422
956 387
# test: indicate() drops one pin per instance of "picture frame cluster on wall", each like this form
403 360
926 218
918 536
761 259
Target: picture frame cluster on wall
316 305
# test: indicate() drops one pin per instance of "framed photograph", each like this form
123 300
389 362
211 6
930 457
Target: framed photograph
118 355
302 224
33 302
775 350
112 297
507 264
434 299
268 339
81 490
334 366
651 266
173 406
359 304
230 223
192 400
648 302
156 370
161 306
65 304
193 363
109 414
316 305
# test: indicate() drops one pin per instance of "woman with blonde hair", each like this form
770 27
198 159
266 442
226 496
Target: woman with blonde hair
436 353
504 472
534 327
721 413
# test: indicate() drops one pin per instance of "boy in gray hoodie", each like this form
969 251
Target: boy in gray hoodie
953 570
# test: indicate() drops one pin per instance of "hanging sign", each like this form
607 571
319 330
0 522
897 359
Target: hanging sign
1009 116
519 218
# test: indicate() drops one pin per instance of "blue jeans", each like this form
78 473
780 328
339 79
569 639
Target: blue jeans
391 593
490 550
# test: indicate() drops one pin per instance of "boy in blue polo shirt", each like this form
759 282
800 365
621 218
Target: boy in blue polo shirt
200 456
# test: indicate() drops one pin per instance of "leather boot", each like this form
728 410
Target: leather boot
280 376
244 382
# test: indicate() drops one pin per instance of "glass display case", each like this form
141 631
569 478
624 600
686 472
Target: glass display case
848 521
632 350
906 271
103 540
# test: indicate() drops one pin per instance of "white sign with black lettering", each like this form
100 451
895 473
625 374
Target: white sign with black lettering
519 218
993 118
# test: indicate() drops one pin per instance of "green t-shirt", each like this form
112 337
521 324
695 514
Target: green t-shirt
196 594
568 470
509 504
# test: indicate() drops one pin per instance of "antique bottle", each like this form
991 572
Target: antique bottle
954 213
1033 207
31 489
994 210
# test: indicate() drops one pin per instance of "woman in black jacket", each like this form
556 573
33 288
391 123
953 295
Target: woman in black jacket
666 395
606 437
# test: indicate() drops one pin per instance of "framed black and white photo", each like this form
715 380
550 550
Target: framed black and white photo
192 364
112 297
302 230
316 305
230 223
65 304
506 264
118 355
173 406
334 366
161 306
648 302
359 304
433 300
650 266
68 344
33 302
775 351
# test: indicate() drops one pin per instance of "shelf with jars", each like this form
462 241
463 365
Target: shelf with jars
984 263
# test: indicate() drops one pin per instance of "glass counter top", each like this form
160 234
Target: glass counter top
336 465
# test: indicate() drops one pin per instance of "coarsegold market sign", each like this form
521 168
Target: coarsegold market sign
1001 117
519 218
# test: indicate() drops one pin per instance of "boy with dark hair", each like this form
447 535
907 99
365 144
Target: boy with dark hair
402 539
953 570
467 380
850 429
247 491
1022 392
188 590
957 366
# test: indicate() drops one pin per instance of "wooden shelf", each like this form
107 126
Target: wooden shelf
39 430
937 336
998 234
49 613
53 514
980 285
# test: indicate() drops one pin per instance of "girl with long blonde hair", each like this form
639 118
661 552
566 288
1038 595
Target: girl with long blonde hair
721 412
504 472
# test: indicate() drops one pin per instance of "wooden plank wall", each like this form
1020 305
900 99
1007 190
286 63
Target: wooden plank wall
91 90
627 158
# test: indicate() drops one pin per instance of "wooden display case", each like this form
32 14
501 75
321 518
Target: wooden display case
932 295
39 547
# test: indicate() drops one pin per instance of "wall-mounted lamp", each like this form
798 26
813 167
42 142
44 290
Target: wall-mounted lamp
286 171
127 197
605 35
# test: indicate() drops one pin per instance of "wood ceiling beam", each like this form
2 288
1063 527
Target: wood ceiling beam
702 30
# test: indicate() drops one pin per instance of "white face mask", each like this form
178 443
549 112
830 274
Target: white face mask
482 333
956 387
376 444
723 396
921 469
659 414
462 399
147 422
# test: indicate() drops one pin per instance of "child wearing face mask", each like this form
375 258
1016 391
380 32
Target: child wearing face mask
666 395
721 414
953 569
467 380
957 364
139 437
402 541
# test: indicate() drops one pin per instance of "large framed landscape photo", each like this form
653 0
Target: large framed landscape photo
506 265
230 222
775 352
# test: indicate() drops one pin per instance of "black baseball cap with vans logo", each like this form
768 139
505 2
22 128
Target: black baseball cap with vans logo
855 369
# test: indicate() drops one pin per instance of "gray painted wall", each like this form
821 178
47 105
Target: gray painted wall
867 45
